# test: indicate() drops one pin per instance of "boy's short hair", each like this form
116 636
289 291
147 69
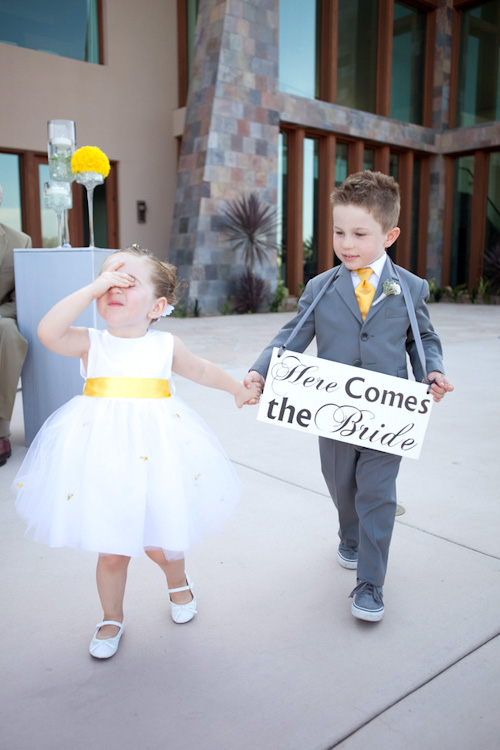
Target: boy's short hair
375 192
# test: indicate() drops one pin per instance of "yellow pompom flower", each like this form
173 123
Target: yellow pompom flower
90 159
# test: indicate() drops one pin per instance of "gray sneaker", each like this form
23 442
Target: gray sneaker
347 556
368 604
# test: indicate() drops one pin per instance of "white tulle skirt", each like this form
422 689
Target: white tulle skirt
117 476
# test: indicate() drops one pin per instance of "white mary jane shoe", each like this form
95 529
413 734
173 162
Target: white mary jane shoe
104 648
182 613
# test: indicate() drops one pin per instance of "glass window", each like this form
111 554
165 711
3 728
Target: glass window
369 158
10 210
479 74
310 208
492 247
298 47
408 63
341 152
461 223
47 216
394 166
282 205
357 54
61 27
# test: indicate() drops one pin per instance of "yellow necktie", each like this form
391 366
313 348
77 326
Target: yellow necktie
364 292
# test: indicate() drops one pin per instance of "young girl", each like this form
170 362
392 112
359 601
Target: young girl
127 466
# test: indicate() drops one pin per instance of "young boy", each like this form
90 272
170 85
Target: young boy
348 329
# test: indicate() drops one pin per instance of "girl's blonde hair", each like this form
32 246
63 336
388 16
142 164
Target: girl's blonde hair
162 274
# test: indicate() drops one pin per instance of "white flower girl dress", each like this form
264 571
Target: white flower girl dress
127 466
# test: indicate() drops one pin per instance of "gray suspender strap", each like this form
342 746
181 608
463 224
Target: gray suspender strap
309 310
409 305
413 319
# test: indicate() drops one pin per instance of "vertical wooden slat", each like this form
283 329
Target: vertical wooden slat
101 31
382 159
478 218
423 217
75 217
355 157
112 207
406 188
329 45
30 196
384 57
325 218
182 53
295 260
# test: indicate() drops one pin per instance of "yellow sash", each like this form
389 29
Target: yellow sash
127 388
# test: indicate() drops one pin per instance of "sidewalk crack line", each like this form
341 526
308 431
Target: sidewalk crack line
414 690
398 520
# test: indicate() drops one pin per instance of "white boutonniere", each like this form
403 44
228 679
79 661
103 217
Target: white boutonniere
389 287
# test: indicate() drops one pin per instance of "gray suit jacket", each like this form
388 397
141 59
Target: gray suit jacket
9 239
379 343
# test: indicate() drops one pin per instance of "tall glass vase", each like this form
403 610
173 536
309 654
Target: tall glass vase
58 198
90 180
61 147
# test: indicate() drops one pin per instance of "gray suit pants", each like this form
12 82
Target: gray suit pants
362 484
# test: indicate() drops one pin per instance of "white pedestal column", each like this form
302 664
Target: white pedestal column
43 277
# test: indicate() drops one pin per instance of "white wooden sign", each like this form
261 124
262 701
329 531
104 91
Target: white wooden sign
350 404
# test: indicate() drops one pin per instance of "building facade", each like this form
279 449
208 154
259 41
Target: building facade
197 102
111 66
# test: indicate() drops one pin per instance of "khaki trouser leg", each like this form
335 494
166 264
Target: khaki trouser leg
13 348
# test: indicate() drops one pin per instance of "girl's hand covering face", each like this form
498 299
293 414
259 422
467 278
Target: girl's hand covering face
111 278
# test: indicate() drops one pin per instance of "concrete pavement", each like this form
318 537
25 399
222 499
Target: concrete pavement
274 660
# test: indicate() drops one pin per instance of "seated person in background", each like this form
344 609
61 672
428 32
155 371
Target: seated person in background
13 346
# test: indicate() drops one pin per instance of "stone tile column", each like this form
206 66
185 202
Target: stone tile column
230 142
440 122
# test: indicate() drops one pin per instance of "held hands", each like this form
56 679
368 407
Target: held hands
111 278
440 385
253 378
248 394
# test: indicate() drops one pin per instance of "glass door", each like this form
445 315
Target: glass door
10 209
310 208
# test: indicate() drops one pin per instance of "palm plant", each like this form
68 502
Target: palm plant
250 226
